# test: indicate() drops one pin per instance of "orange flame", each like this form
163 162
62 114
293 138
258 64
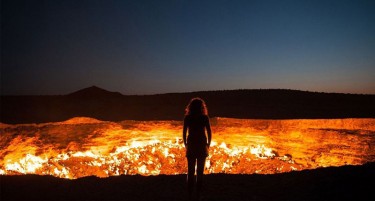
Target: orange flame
82 146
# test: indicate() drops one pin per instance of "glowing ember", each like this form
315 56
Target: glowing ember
82 146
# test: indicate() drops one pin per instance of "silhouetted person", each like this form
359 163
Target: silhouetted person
197 142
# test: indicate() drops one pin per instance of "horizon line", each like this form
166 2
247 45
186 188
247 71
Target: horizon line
213 90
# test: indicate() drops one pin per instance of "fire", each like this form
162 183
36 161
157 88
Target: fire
83 147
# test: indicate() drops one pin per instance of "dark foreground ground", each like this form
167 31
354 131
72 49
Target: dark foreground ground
333 183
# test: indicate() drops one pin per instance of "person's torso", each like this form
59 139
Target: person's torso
196 127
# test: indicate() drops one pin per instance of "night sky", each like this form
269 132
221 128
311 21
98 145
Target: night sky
149 47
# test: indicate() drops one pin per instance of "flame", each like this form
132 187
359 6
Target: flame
83 147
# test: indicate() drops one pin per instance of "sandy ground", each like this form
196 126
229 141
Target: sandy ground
333 183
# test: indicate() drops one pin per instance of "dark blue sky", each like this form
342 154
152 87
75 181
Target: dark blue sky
148 47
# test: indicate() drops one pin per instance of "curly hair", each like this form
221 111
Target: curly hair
196 106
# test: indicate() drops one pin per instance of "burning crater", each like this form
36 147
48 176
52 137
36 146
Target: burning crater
84 146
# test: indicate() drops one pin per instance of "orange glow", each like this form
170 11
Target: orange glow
83 146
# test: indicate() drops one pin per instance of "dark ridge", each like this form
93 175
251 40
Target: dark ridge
249 104
332 183
93 91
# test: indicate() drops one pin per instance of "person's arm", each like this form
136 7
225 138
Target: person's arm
208 127
184 130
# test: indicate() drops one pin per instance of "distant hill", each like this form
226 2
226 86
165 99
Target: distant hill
112 106
93 92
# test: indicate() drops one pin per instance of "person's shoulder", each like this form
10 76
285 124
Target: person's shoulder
205 117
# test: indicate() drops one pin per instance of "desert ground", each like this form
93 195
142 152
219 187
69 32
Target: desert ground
323 175
332 183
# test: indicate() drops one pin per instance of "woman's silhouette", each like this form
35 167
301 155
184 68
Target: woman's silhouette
196 123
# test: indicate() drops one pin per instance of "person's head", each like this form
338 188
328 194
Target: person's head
196 106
